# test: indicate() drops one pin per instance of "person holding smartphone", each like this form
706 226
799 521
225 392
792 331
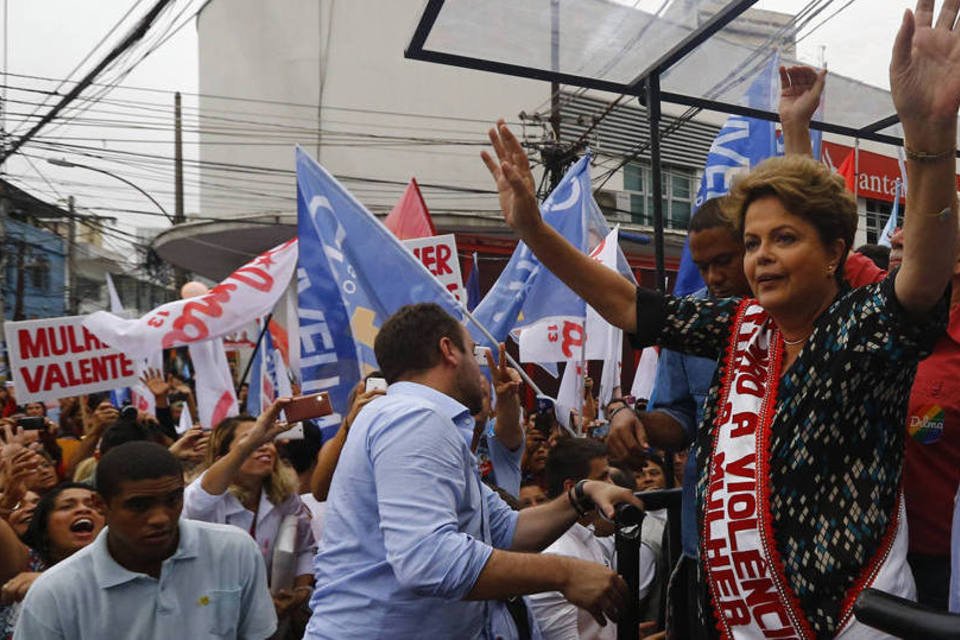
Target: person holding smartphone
366 390
248 486
498 441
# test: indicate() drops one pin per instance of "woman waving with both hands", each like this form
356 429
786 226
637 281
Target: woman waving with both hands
801 446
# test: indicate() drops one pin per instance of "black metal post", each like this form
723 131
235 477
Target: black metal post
653 115
628 566
246 371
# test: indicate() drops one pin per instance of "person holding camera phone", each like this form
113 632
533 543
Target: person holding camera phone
498 441
248 486
366 390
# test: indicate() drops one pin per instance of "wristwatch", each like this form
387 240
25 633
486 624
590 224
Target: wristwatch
579 500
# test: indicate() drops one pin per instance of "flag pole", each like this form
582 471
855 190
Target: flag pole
489 336
583 378
256 348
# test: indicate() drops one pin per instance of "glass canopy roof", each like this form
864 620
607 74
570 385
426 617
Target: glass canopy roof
705 53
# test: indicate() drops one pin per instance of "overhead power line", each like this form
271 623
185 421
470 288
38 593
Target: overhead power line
135 34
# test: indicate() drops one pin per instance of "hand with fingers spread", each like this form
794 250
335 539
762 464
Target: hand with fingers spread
596 589
506 380
515 184
159 386
925 75
506 386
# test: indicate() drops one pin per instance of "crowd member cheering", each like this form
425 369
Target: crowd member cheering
812 387
498 438
415 545
64 521
149 574
248 486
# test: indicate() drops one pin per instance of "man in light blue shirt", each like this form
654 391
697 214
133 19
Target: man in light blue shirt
149 575
498 438
415 545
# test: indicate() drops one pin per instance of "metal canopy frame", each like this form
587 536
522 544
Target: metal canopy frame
646 88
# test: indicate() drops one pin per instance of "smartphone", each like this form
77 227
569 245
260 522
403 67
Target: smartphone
376 384
546 415
31 423
480 353
315 405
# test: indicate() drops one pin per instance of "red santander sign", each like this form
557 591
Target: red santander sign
877 174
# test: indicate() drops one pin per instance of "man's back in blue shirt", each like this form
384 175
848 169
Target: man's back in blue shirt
409 524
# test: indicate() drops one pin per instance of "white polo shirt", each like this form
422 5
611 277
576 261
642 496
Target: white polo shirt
213 586
560 619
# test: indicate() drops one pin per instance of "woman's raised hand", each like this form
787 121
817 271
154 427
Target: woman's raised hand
267 427
925 76
515 184
801 88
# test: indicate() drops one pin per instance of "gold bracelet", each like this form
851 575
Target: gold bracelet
923 156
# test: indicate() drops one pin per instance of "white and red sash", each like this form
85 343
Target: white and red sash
749 591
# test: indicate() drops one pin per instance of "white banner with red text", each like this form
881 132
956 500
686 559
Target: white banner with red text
57 357
249 292
439 255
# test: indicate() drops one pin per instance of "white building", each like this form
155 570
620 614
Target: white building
331 76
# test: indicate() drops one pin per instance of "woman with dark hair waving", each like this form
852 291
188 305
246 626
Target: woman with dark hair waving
801 446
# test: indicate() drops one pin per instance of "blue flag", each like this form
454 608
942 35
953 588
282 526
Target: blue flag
353 274
525 292
473 285
566 210
740 145
891 225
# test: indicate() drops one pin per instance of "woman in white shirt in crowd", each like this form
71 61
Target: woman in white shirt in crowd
247 485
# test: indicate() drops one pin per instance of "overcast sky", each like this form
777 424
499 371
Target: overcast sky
49 37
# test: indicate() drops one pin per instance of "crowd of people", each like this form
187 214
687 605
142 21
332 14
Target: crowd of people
802 401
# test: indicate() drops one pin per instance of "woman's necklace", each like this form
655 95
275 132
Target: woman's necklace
793 343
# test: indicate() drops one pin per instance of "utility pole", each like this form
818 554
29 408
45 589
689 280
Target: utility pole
18 313
556 158
180 276
4 200
73 301
4 204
